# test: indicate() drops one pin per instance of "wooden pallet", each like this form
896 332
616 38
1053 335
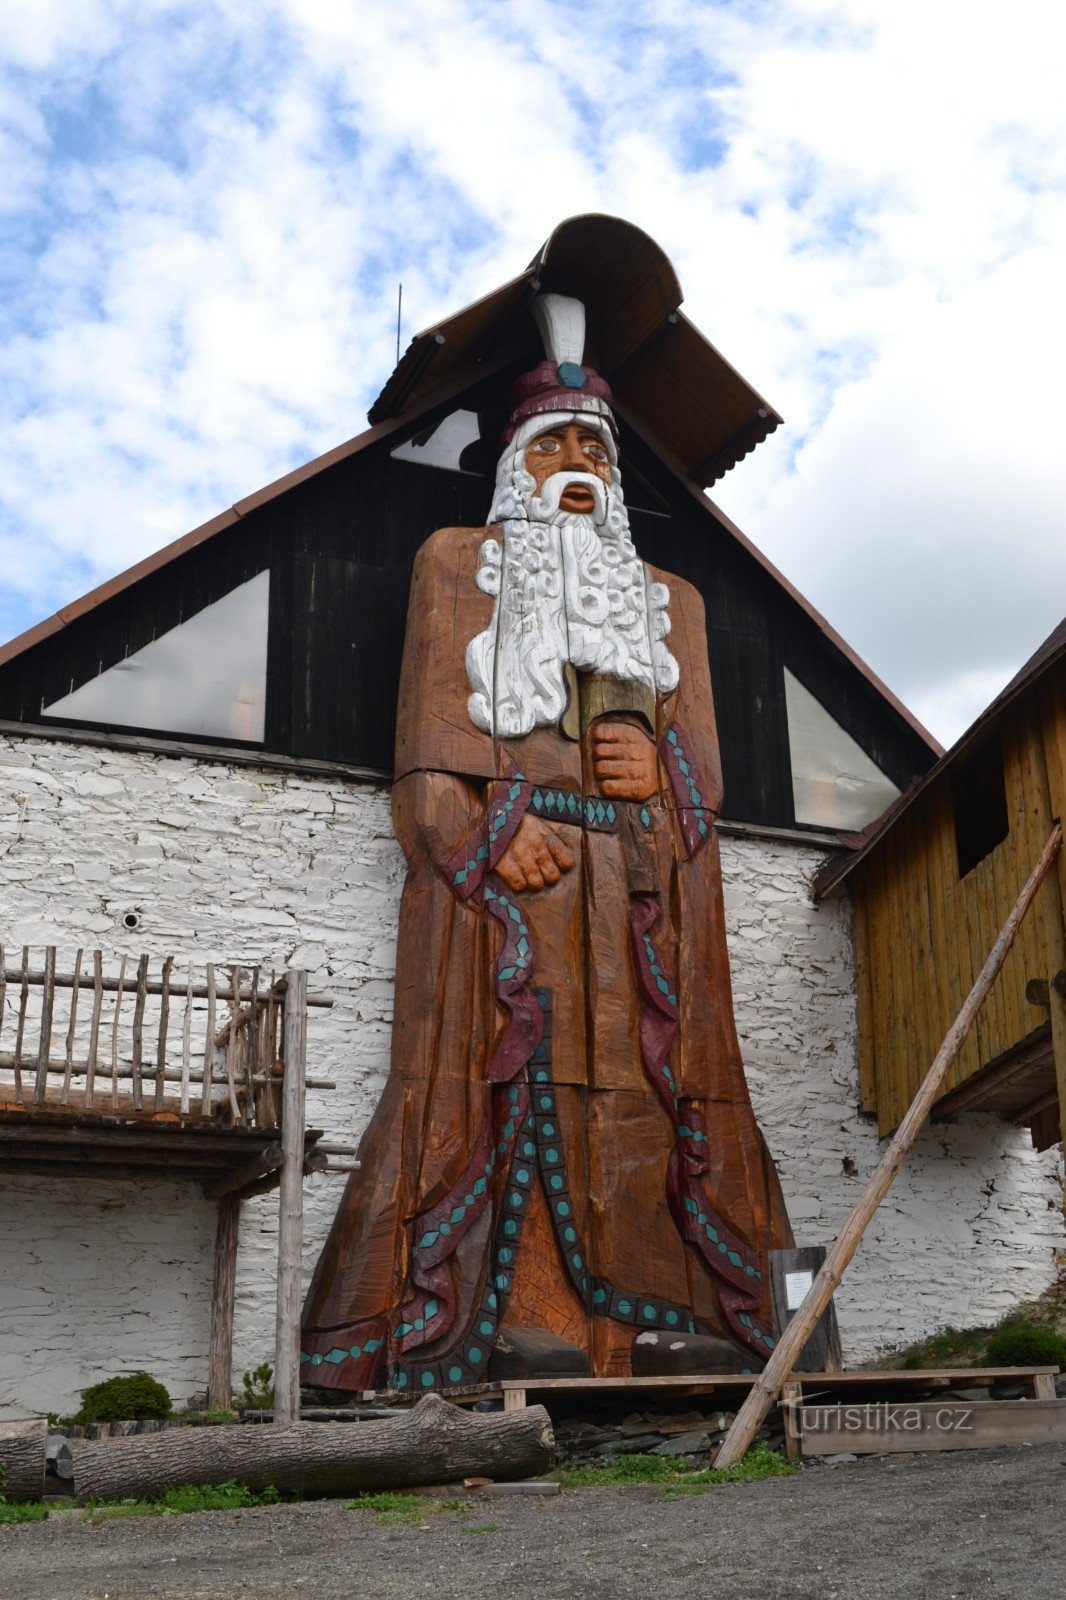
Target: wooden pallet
811 1429
870 1418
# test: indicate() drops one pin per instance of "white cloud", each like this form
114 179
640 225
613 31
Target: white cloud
212 205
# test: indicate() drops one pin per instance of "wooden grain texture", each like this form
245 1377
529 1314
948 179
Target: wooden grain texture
1053 729
22 1458
434 1442
794 1338
290 1221
72 1023
922 931
48 995
223 1296
889 1428
452 1009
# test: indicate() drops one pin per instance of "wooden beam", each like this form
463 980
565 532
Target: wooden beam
1034 1108
779 1367
881 1428
262 1162
223 1295
199 991
290 1221
1031 1055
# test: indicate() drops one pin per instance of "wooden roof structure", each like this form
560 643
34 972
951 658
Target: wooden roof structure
932 882
1046 656
660 367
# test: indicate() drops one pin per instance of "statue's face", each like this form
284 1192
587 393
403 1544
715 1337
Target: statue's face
573 448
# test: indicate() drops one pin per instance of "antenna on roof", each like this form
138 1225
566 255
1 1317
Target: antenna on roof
399 311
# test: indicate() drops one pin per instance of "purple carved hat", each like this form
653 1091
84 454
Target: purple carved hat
560 383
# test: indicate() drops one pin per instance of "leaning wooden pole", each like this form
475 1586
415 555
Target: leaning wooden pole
767 1386
291 1204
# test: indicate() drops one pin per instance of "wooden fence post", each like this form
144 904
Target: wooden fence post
291 1215
767 1385
220 1367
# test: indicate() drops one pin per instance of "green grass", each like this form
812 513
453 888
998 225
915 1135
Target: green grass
392 1506
29 1512
180 1501
672 1476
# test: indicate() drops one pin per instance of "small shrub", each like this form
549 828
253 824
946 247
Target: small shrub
1026 1346
135 1398
259 1388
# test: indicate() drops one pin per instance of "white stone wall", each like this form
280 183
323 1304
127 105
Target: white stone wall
232 863
972 1224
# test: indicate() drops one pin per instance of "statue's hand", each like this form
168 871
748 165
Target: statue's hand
535 857
625 761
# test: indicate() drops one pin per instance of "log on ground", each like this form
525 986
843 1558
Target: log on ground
435 1442
23 1449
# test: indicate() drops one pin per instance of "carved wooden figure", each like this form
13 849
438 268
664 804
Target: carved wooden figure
565 1142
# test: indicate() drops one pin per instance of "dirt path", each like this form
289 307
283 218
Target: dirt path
950 1527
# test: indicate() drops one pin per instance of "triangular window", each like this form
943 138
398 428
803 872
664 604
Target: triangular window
443 444
207 676
834 782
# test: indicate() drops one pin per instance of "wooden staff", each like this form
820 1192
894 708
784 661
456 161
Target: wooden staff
767 1385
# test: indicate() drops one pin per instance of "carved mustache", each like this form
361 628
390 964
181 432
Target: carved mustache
556 486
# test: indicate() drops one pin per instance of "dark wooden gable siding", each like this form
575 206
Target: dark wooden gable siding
340 547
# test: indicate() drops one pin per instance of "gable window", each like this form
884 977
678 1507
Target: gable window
443 444
979 801
834 782
206 677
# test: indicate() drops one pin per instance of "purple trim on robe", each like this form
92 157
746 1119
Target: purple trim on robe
479 852
726 1256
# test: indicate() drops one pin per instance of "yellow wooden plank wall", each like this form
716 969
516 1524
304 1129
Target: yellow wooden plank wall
922 934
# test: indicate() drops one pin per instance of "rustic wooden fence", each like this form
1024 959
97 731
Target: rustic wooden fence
149 1064
140 1035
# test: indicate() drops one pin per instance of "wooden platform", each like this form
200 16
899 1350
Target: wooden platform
884 1418
68 1142
872 1412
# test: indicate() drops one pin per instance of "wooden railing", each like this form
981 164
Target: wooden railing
141 1035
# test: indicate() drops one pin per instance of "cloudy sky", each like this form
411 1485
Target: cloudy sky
207 207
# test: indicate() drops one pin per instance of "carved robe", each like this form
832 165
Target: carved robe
565 1140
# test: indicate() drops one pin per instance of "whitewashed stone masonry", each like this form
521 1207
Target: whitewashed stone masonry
236 863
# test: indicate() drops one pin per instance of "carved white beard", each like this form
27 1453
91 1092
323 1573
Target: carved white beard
569 588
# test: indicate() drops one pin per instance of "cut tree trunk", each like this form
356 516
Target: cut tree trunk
23 1448
435 1442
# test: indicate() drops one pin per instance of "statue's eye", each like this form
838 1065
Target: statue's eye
596 451
547 446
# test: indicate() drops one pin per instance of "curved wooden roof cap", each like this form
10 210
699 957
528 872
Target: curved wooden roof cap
661 368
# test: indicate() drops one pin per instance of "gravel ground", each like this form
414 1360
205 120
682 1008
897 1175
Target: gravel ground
981 1523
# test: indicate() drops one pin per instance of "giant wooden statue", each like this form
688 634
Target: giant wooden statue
566 1141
